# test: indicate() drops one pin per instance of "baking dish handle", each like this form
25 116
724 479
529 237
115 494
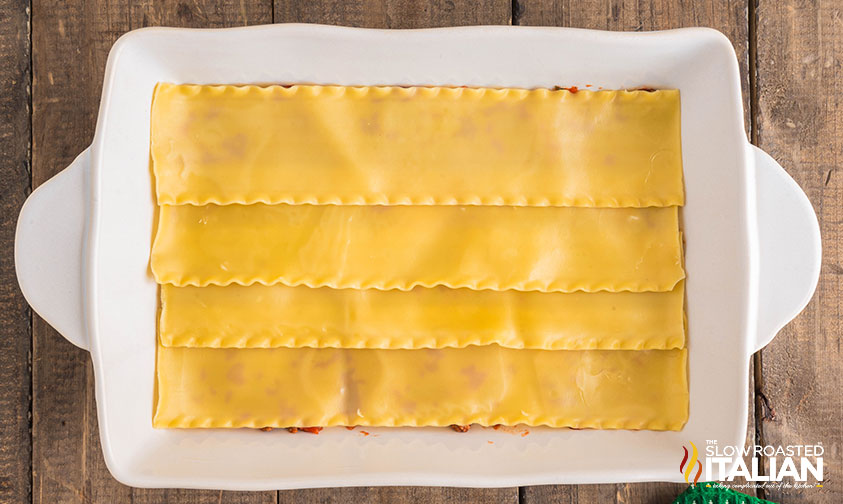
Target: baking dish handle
789 247
49 249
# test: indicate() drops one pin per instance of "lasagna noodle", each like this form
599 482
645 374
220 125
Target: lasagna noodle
261 316
551 249
394 145
284 387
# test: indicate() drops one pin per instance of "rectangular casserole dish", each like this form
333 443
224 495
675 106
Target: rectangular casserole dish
83 241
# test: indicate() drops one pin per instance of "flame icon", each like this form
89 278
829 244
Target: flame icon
687 466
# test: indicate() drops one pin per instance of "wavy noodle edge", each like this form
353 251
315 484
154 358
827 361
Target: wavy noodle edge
535 286
385 200
192 422
275 338
359 91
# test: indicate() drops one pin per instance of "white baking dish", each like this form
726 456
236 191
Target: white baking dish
83 239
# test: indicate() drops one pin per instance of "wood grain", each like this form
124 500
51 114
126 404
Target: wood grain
400 495
800 123
62 125
396 14
199 13
731 18
71 41
574 494
15 378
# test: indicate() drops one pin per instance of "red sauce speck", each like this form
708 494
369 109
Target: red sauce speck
266 429
312 430
350 427
490 442
364 433
496 426
525 433
292 429
572 89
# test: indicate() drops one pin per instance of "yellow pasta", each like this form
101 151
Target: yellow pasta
388 256
281 387
261 316
393 145
552 249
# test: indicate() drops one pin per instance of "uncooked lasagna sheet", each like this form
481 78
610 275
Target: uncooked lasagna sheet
487 385
548 249
260 316
416 145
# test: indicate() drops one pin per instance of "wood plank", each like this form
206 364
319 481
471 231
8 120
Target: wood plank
62 125
395 14
71 41
800 123
199 13
15 339
573 494
731 18
400 495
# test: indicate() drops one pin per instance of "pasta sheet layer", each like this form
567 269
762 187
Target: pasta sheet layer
393 145
282 387
399 247
261 316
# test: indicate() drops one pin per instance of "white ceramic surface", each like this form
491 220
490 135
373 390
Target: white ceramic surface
83 239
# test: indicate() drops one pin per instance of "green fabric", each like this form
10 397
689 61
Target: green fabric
710 493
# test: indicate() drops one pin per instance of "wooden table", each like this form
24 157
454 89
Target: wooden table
52 55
